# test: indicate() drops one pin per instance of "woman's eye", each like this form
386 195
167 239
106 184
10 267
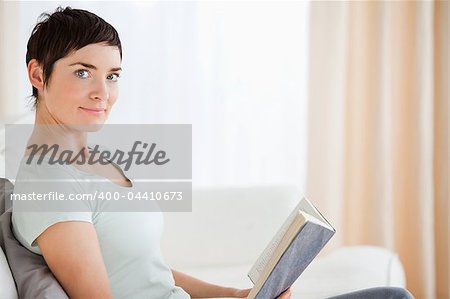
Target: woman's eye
113 77
82 73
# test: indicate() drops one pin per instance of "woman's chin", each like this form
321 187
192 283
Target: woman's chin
90 123
87 127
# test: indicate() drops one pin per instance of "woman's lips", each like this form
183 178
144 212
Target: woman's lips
95 111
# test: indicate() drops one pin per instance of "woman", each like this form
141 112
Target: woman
74 60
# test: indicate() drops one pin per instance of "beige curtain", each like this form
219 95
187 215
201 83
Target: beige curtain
378 131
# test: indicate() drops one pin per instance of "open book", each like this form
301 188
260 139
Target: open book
304 233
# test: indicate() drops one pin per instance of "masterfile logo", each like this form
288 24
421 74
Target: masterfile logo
122 168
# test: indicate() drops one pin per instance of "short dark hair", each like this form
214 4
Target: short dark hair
56 35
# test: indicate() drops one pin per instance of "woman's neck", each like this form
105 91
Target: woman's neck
49 131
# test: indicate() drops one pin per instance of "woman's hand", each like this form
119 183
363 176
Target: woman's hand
197 288
285 295
244 293
241 293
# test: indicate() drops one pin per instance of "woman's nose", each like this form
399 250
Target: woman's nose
100 91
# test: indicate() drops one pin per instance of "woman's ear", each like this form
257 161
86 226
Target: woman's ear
36 74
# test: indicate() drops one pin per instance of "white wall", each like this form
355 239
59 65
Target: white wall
235 70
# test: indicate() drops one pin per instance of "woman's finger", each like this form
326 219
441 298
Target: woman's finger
285 295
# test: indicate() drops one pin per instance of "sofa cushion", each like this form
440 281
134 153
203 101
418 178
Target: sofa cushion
30 271
227 226
8 287
6 188
350 269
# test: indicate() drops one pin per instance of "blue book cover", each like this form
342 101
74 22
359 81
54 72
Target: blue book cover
292 249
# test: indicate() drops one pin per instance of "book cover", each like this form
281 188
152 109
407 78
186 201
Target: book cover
300 253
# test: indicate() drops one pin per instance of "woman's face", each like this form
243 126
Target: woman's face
83 86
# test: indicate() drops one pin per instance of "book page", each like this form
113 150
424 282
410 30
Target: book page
262 261
306 206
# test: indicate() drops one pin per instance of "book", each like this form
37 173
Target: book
301 237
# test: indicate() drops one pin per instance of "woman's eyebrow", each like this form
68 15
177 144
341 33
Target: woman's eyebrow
91 66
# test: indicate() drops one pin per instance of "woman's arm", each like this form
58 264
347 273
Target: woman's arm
197 288
72 252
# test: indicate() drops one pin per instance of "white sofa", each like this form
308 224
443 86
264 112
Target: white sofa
229 227
7 286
